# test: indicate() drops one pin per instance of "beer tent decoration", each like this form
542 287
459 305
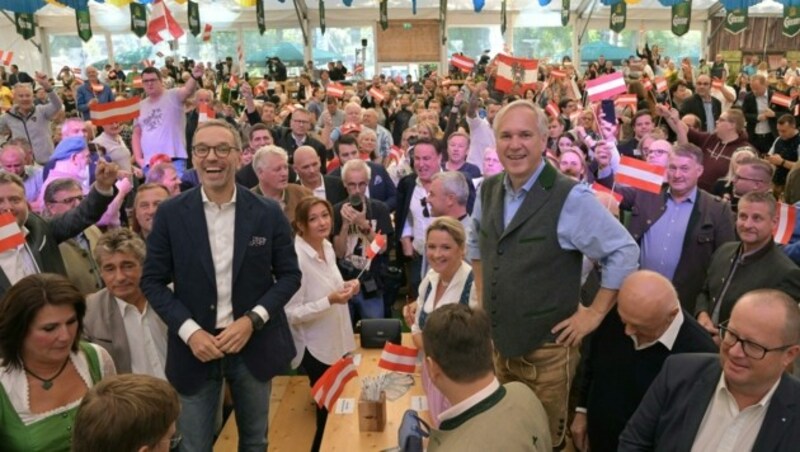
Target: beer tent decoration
138 19
84 24
681 17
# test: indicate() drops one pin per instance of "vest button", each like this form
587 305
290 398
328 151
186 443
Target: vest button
212 307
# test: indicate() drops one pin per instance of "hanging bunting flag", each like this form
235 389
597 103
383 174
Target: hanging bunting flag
194 18
478 5
564 12
162 25
443 19
384 14
414 7
618 17
347 3
736 20
503 17
138 19
207 33
681 17
83 20
26 27
262 25
6 57
513 72
791 20
322 16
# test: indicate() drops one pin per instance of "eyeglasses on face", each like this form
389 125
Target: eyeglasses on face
750 348
221 150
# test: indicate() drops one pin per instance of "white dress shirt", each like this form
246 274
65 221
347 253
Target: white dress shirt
725 428
470 401
147 339
416 221
323 328
451 294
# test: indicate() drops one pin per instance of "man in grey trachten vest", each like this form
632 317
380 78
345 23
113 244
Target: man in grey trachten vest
531 226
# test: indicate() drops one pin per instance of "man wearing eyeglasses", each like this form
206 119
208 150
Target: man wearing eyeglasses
753 262
752 174
738 401
230 256
161 126
296 135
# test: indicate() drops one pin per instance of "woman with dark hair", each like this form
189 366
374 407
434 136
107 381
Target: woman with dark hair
318 312
46 370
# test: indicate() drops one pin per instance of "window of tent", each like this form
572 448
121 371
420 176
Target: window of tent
474 40
618 46
68 50
344 44
285 43
540 42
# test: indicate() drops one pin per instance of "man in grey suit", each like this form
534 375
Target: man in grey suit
119 318
741 400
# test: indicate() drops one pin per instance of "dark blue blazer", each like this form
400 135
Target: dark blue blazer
265 272
381 187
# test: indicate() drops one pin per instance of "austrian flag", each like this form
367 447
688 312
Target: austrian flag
376 94
335 90
781 100
329 387
787 219
114 112
11 235
465 64
378 243
513 72
605 87
552 109
162 25
641 175
398 358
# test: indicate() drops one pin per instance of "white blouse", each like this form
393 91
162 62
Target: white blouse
451 295
15 383
323 328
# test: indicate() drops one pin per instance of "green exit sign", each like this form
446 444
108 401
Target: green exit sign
406 26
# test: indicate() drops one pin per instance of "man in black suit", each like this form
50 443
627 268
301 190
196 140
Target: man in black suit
40 252
291 138
230 256
306 166
381 186
761 114
16 76
740 400
626 353
703 105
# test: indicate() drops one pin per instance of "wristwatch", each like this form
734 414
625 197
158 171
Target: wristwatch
256 319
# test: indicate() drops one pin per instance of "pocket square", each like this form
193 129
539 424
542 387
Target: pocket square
378 180
257 241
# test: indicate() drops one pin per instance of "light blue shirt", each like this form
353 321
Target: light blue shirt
583 225
662 244
709 109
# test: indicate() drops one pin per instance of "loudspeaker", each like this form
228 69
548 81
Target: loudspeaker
363 43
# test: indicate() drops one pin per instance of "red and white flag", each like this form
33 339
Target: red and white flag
205 112
376 94
648 85
207 33
787 219
162 25
513 72
606 87
329 387
627 100
233 81
11 235
6 57
639 174
716 84
661 84
375 247
464 63
556 73
781 100
137 82
552 109
398 358
114 112
335 90
396 153
599 188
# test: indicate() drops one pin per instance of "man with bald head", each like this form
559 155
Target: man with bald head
306 166
738 399
626 353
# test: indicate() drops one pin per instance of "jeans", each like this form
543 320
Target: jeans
366 308
250 403
548 371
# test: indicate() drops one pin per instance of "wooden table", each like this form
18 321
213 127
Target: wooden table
341 430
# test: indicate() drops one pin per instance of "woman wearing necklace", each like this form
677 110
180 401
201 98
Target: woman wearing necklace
729 134
46 370
448 281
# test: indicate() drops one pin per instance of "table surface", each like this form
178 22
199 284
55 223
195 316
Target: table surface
341 430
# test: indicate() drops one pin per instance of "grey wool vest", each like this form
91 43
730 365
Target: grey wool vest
529 282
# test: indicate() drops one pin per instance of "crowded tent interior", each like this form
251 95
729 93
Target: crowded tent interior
384 225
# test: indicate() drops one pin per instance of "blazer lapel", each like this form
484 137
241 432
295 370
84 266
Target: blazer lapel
243 230
197 232
780 413
700 395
